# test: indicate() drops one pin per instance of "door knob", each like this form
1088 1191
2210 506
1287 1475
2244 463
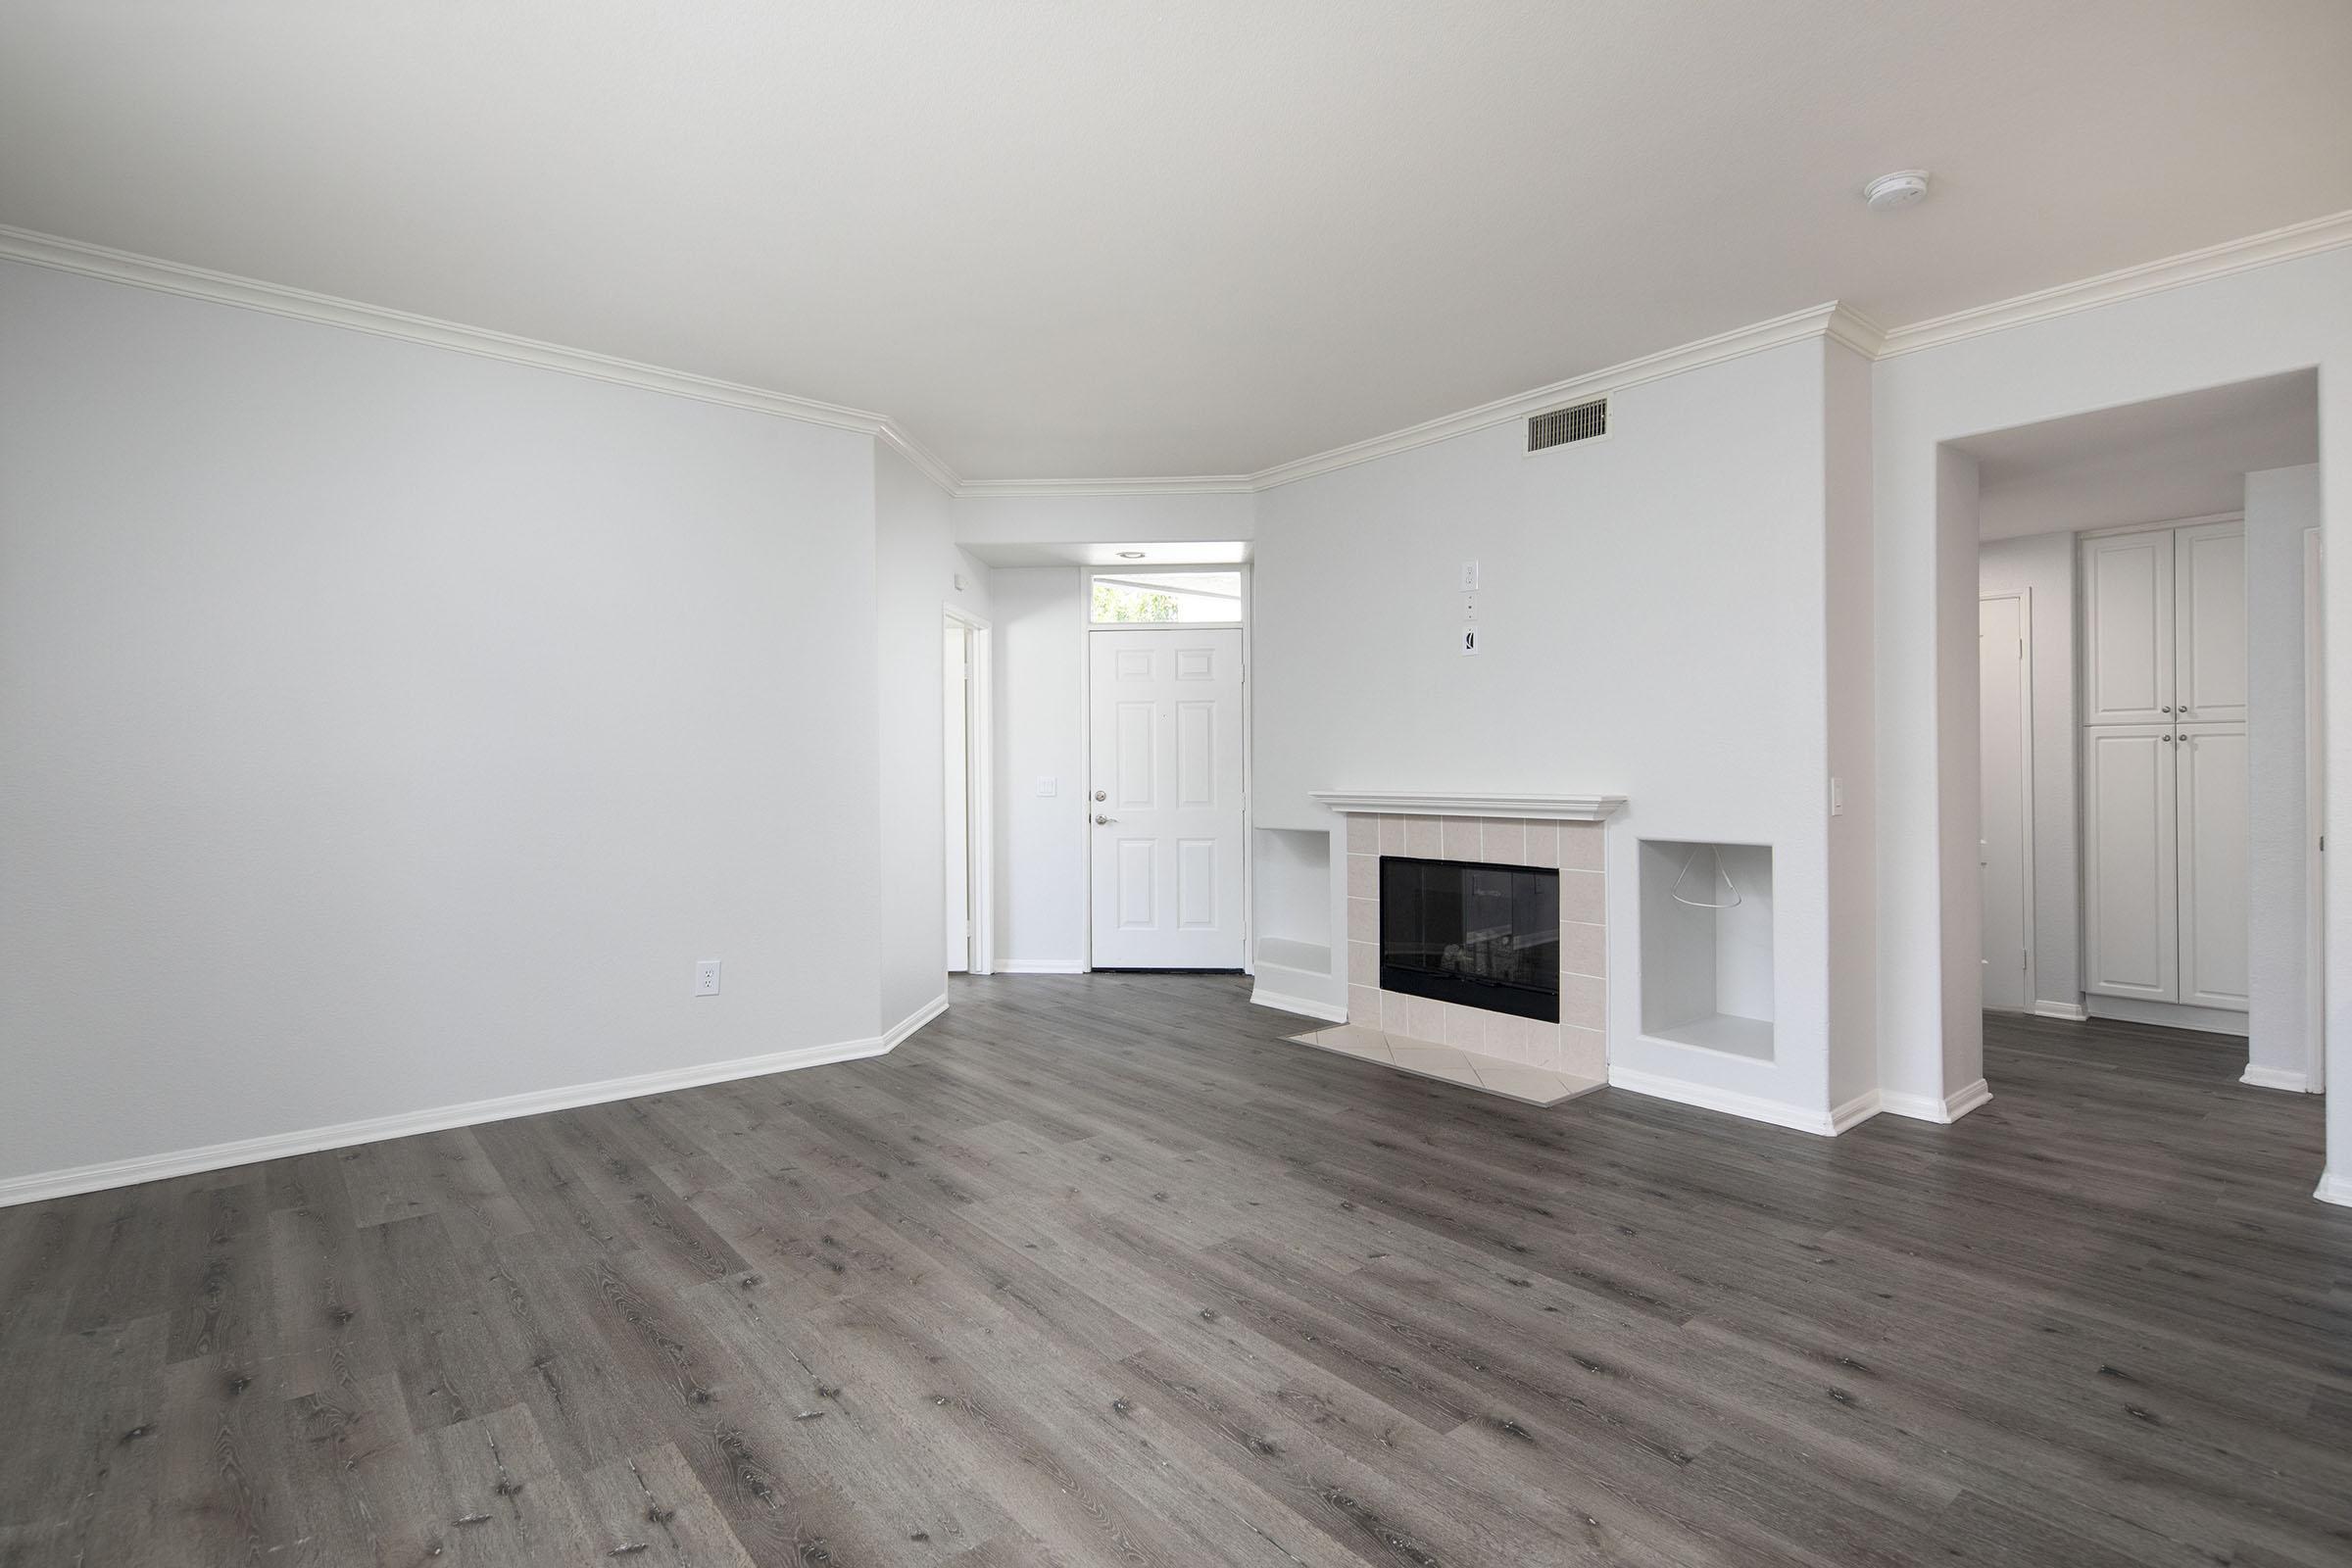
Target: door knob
1102 821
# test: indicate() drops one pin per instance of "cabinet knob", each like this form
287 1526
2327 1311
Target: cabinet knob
2168 708
2167 740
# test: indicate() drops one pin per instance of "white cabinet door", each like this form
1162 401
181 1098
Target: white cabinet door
1167 831
2209 575
2214 819
2128 613
2130 897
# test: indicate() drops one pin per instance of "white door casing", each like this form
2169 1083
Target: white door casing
2130 936
1169 844
2314 819
2004 839
956 748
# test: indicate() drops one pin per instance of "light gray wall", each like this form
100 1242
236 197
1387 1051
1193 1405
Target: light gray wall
2044 565
2280 503
1653 624
915 568
384 728
1041 705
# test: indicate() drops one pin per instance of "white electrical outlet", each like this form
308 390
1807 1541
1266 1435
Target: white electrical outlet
706 977
1048 788
1469 607
1469 576
1469 639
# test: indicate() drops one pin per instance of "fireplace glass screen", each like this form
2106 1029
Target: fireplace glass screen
1485 936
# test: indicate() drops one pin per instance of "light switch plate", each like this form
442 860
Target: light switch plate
1469 576
1046 788
706 977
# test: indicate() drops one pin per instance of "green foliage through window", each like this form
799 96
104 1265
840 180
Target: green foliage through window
1114 602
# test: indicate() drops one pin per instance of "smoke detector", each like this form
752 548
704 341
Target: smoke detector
1903 188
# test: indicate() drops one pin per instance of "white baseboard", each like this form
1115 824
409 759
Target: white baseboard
2334 1188
1960 1102
1041 966
1752 1107
893 1036
1329 1012
2273 1078
41 1185
2169 1015
1926 1108
1856 1111
2071 1011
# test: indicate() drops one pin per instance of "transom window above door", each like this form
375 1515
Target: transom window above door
1166 597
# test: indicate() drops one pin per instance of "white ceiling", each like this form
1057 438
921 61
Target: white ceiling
1081 238
2152 461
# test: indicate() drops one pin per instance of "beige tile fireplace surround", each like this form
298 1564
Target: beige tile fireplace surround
1567 834
1574 1044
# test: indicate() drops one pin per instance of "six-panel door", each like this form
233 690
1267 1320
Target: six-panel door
1168 841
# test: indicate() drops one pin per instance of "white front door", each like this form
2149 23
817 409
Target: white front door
2002 671
1165 798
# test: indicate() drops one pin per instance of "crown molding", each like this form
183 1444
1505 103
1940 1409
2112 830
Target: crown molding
2127 283
1837 321
276 299
1795 327
1203 484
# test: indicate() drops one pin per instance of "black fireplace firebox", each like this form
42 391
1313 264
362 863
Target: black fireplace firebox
1485 936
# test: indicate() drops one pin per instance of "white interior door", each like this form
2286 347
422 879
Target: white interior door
955 750
2131 933
2209 570
2127 628
2214 829
2005 798
1165 798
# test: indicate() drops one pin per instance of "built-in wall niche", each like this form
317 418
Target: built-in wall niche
1706 945
1292 898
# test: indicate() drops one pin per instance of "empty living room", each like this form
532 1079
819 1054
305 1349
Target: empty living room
1307 784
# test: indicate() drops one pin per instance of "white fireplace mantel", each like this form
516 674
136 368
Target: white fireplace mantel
1536 808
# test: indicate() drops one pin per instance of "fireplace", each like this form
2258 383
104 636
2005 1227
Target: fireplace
1471 932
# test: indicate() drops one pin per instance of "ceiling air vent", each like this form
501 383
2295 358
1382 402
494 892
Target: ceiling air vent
1582 421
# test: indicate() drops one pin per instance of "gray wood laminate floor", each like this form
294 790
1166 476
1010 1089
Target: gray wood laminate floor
1094 1270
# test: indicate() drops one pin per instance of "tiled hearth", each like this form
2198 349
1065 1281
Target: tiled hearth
1538 1086
1572 1046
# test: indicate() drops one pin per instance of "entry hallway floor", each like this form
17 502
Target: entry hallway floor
1099 1270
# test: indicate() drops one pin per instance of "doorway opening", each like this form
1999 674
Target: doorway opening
2147 766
